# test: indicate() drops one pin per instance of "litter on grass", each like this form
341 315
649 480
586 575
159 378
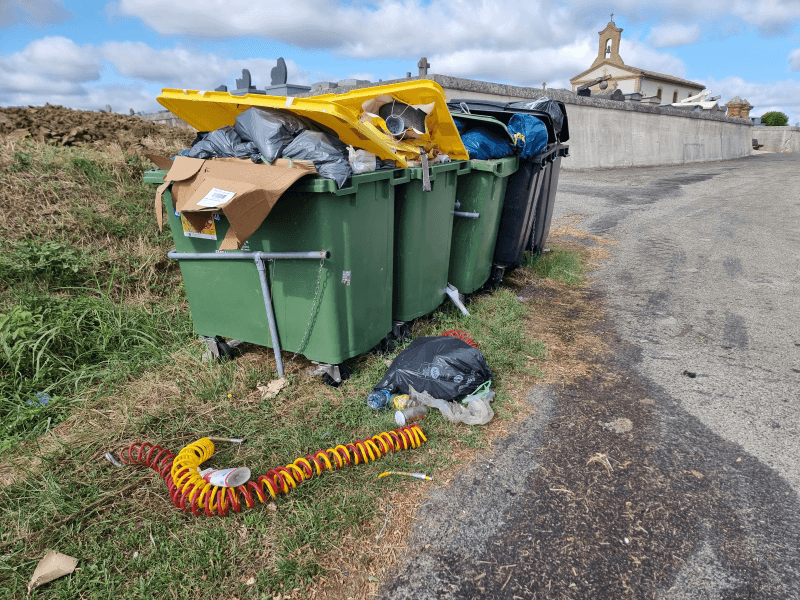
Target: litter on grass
51 567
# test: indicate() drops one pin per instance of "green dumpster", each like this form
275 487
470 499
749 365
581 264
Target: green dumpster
326 309
479 201
423 227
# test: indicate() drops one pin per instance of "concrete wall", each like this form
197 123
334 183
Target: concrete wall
778 139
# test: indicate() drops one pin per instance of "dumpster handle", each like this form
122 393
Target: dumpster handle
464 168
400 180
350 189
469 215
258 258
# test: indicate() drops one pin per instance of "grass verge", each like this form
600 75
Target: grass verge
86 258
87 298
261 551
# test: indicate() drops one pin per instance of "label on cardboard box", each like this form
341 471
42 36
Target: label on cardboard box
216 197
208 232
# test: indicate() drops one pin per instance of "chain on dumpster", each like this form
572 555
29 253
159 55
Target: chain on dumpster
310 316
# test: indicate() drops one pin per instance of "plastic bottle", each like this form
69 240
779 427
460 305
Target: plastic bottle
378 399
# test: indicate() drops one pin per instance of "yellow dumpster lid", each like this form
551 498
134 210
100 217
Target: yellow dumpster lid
207 111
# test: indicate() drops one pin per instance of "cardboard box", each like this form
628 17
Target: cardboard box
243 191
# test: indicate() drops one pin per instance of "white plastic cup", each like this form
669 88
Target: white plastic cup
233 477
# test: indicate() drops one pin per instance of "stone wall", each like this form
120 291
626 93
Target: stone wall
608 134
778 139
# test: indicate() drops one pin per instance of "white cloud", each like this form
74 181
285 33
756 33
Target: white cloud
637 54
771 17
794 60
56 70
783 96
674 34
361 30
518 67
56 57
32 12
183 67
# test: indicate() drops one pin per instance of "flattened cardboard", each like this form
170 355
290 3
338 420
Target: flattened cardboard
257 188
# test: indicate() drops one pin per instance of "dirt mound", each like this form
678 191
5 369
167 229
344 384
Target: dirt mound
68 127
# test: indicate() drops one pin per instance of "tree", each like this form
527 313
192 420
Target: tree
774 119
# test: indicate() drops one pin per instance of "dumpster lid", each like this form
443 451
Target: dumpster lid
341 113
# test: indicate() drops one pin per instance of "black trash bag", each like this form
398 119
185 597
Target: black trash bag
328 154
445 367
551 107
271 131
223 143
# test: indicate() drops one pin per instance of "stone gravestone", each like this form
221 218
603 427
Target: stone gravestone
245 83
279 73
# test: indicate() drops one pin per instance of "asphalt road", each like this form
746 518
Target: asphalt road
703 500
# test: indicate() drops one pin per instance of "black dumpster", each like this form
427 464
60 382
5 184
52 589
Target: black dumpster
530 193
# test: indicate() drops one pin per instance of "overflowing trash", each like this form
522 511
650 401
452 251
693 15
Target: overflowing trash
477 411
482 144
271 131
328 154
531 132
547 105
225 142
446 367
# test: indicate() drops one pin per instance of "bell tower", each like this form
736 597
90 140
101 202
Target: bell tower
609 45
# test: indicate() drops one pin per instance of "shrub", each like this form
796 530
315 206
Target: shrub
774 119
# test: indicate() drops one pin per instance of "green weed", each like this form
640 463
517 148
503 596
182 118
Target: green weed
559 264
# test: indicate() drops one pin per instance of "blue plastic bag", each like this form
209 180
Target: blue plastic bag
534 132
484 145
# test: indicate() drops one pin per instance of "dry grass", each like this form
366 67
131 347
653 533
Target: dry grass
562 317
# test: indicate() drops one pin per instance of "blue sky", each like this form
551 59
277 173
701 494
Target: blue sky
122 53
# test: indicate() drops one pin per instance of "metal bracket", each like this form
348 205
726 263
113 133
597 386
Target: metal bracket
452 293
323 368
468 215
426 170
346 277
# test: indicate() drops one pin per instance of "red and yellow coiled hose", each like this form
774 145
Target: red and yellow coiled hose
189 491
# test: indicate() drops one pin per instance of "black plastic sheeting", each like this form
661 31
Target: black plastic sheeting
328 154
270 131
445 367
223 143
551 107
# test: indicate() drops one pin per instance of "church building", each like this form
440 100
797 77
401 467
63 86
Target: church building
609 63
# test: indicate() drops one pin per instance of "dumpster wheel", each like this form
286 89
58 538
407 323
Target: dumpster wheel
330 373
344 373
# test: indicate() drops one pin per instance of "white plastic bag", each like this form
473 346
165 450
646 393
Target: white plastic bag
361 161
476 412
